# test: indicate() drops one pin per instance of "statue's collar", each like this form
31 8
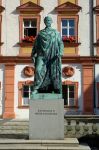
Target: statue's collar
48 28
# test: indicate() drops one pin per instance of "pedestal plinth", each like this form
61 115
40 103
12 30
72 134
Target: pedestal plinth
46 117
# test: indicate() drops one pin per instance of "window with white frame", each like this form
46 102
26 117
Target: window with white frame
29 27
69 95
67 27
27 89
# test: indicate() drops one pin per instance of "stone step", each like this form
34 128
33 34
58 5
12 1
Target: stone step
8 126
15 122
66 144
22 147
14 128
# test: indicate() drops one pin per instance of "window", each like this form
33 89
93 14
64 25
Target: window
0 33
30 27
97 2
0 93
98 94
96 44
1 10
24 91
27 89
70 93
67 27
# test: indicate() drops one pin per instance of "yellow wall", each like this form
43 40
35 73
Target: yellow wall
26 50
63 1
69 50
25 1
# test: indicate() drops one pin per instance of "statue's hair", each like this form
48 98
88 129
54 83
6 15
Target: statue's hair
47 17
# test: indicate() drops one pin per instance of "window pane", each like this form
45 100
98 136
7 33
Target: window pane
71 23
25 88
25 101
71 94
71 102
25 32
71 31
64 23
64 32
68 94
71 88
71 91
31 88
34 23
30 32
26 94
64 90
26 23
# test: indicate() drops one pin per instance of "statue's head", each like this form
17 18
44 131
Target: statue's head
48 21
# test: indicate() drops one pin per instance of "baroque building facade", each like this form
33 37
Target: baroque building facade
78 22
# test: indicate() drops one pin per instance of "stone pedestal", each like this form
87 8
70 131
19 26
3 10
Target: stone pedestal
46 117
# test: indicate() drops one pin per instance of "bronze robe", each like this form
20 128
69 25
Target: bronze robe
47 51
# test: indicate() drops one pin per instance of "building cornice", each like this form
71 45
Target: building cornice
65 59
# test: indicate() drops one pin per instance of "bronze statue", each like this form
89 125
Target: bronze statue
46 53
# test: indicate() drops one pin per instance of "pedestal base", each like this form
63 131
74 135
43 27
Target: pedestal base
46 119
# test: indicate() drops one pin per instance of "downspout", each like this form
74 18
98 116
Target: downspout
91 28
91 4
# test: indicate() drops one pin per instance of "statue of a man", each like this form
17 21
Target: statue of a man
46 53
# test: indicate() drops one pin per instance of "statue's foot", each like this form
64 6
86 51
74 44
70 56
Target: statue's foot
35 92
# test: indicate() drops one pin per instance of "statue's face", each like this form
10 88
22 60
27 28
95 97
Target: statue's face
48 22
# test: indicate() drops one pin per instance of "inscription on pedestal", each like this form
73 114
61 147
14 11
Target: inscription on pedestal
46 112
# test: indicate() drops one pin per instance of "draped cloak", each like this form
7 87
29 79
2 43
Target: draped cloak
47 51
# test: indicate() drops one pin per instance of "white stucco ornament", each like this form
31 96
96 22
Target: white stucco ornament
28 71
68 71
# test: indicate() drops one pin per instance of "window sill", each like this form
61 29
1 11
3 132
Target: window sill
71 44
74 107
26 44
2 9
23 107
96 9
96 44
1 43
